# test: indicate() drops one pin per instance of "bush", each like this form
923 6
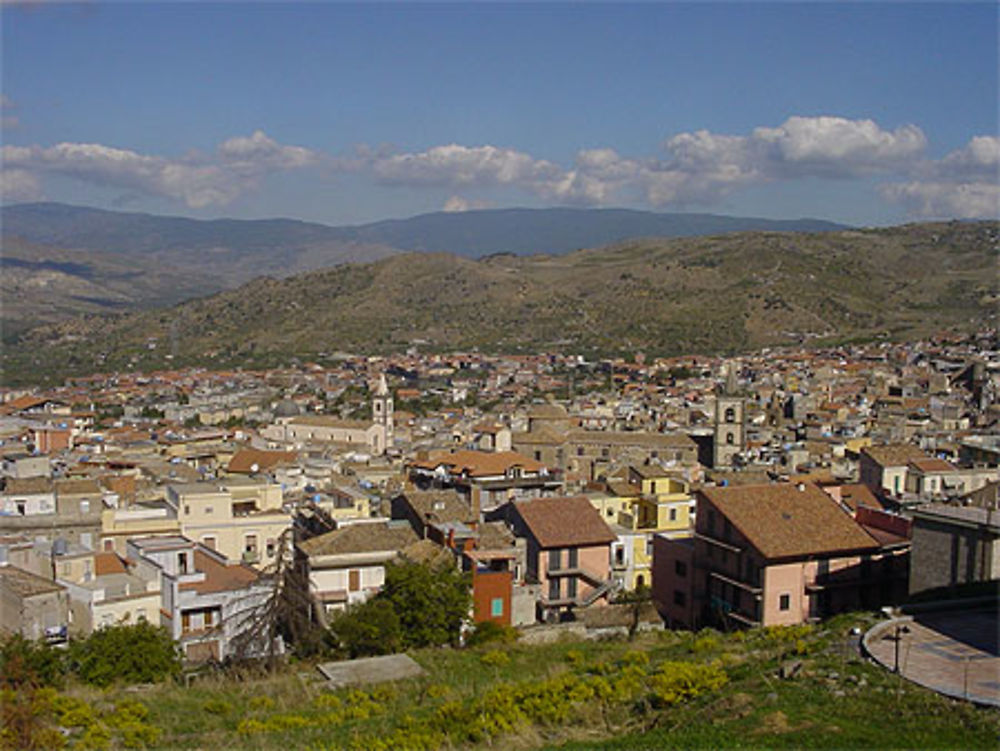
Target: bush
372 628
140 653
24 662
491 631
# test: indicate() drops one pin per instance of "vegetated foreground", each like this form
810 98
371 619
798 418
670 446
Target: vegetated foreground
664 690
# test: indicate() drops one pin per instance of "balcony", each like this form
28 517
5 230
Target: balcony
251 557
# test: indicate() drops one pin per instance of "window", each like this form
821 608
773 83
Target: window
620 555
354 580
208 618
673 514
496 607
538 456
182 562
679 598
84 507
553 589
680 568
270 548
554 560
571 588
730 439
573 560
784 602
579 450
730 414
250 544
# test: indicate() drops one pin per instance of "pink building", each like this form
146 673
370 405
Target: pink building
568 552
782 554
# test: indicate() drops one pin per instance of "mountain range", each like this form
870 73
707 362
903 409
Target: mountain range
716 294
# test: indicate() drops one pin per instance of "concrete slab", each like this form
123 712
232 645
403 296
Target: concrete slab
370 670
953 653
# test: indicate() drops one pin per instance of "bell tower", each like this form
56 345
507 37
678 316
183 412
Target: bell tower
730 422
382 410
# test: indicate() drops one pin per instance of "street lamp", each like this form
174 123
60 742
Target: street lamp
900 630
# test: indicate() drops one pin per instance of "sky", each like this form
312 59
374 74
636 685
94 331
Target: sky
862 113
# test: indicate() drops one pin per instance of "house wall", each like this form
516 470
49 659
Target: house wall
488 587
946 555
673 584
784 579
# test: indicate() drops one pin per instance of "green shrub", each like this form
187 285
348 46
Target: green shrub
675 682
139 653
25 662
495 658
490 631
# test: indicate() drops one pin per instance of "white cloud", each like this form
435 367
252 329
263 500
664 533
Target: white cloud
963 184
458 204
835 146
19 185
947 200
463 165
197 181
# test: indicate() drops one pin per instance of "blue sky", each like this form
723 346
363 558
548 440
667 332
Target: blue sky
340 113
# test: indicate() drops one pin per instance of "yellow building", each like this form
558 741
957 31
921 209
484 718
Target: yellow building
648 502
241 518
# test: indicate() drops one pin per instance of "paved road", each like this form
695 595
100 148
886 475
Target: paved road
953 653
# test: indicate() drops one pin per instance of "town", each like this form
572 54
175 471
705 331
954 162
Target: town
776 488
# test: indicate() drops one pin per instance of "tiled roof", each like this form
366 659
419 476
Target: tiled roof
26 584
784 521
436 506
27 485
564 522
631 438
858 494
245 460
368 537
108 563
479 463
932 465
895 455
219 577
324 421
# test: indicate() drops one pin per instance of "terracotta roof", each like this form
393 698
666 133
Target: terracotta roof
219 577
782 521
83 486
368 537
26 584
108 563
494 536
858 494
436 506
245 459
894 455
479 463
564 522
932 465
27 485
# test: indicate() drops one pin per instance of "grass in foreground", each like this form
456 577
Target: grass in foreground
664 690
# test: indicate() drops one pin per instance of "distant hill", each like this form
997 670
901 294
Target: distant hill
663 296
475 234
286 246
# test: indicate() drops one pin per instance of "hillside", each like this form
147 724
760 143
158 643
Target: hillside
665 690
288 246
718 294
43 284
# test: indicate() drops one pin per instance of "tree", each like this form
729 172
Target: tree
431 601
420 605
140 653
25 662
371 628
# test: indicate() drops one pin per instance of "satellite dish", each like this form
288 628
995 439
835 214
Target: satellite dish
255 467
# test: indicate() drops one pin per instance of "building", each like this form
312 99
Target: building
241 518
487 479
782 554
347 566
567 552
729 427
954 545
32 605
209 605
